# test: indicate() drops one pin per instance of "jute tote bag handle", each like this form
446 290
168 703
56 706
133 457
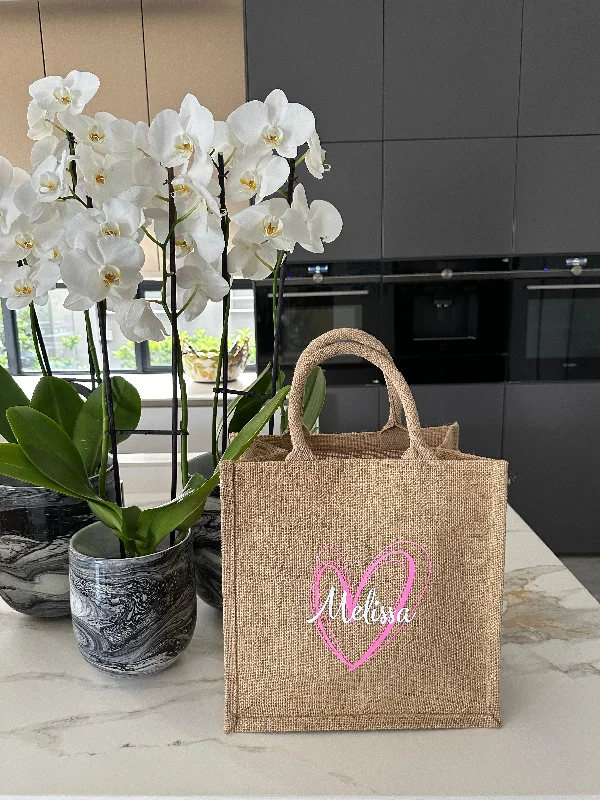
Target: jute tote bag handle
361 337
398 389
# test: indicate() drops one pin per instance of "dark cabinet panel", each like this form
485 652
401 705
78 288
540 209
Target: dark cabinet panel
451 69
557 207
325 54
476 407
552 444
353 185
448 198
350 409
560 72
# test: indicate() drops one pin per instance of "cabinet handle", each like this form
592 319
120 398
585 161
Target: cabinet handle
333 293
558 286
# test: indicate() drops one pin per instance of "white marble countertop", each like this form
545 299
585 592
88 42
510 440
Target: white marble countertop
68 730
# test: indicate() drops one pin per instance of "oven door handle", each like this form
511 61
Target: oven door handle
332 293
547 287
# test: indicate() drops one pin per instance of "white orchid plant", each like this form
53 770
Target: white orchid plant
98 186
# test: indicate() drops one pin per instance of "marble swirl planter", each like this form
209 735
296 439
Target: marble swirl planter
35 528
131 615
206 534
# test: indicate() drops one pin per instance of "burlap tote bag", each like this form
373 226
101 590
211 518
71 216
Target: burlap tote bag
362 591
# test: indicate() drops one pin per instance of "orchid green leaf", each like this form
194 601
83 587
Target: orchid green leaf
314 397
51 450
251 429
58 400
11 394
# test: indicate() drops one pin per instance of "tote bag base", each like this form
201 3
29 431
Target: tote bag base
265 724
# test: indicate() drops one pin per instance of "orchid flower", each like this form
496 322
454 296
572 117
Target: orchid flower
138 322
98 268
255 261
66 95
250 177
102 178
40 126
315 157
36 196
28 240
116 217
272 125
273 221
200 233
224 141
323 220
93 131
176 137
192 188
198 282
48 146
27 284
10 178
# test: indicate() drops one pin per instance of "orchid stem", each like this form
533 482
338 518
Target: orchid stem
34 336
279 293
92 348
175 349
108 418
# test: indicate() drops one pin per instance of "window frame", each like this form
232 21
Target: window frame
142 350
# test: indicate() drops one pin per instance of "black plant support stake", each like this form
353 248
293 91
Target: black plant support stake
174 343
110 410
226 299
279 311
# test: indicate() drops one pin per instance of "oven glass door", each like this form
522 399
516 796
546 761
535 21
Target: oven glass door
555 332
312 309
447 332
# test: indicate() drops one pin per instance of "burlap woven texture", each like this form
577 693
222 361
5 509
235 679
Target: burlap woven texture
440 670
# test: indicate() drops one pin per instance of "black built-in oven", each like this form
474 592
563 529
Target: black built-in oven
555 319
446 321
318 298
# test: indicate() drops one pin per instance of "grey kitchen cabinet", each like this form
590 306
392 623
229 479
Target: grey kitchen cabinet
552 444
451 69
557 205
560 72
350 409
353 185
448 198
477 407
325 54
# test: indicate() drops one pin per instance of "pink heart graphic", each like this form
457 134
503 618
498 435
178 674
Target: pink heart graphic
340 567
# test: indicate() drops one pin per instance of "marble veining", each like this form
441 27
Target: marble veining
207 553
35 528
66 729
133 615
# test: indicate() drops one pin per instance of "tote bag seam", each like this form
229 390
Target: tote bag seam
235 615
408 715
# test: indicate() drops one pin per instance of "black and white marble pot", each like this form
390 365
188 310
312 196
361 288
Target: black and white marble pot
35 528
131 615
206 534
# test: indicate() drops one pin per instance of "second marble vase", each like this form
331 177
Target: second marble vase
206 534
131 615
35 528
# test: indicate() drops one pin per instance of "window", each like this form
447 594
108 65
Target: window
65 335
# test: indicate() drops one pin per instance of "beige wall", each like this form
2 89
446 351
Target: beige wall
147 53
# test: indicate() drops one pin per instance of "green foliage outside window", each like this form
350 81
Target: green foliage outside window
160 352
65 360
